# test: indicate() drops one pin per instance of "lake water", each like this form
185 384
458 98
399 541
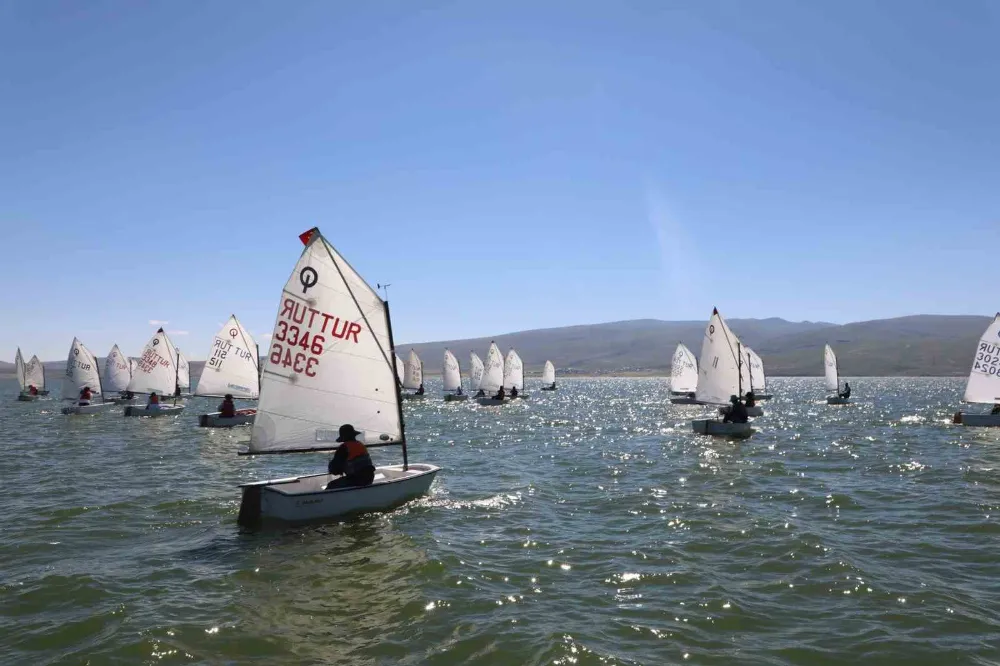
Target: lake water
586 526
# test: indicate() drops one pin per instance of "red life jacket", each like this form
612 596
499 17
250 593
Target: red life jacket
358 459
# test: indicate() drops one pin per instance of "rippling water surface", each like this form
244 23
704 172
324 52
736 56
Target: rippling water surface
584 526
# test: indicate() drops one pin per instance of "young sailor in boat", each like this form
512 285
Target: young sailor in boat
846 393
420 390
85 396
750 398
553 387
737 413
32 389
154 402
227 409
127 395
995 410
480 394
513 392
352 460
501 394
177 390
458 391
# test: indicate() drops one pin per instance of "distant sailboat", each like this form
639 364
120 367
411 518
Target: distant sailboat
683 377
475 371
20 369
156 372
758 380
513 375
549 377
400 369
452 378
117 375
492 377
719 377
832 377
413 377
82 373
232 369
183 376
346 377
983 386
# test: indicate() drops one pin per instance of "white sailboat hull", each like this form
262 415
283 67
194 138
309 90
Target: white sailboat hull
685 401
164 410
978 420
520 396
751 411
837 400
548 388
92 408
720 429
217 420
452 397
490 402
306 498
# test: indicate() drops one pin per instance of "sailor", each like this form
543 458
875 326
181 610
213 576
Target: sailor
750 398
480 393
501 394
846 393
458 391
513 392
154 402
737 413
227 409
85 396
32 389
420 390
553 387
351 459
177 391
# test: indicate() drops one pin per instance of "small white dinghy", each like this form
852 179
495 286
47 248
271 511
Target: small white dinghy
20 369
831 377
30 374
492 377
683 377
549 377
451 375
413 377
720 377
232 369
82 373
513 376
346 377
758 380
983 386
155 372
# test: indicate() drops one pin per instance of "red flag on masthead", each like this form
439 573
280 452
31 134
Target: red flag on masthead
306 236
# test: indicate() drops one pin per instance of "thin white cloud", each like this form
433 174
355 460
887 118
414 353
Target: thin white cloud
265 336
178 332
157 322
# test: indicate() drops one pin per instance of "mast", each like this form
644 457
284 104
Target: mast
177 372
739 368
750 370
399 397
260 369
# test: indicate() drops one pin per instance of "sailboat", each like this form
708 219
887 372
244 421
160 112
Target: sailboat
549 377
832 378
758 381
413 377
183 376
232 369
82 372
513 376
492 377
400 372
476 370
34 375
452 376
983 386
20 369
156 372
117 375
344 375
719 377
683 377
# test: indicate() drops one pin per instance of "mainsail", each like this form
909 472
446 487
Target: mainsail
475 371
452 374
183 372
513 372
413 376
19 369
549 373
683 371
34 374
232 364
984 378
81 371
493 370
328 363
756 368
830 361
400 369
719 371
156 370
116 371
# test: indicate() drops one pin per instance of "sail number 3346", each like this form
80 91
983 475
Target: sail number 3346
303 328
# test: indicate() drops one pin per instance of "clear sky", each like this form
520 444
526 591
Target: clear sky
504 165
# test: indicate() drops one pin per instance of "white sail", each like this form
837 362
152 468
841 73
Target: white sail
984 378
183 372
34 374
413 375
116 371
549 373
132 362
232 364
19 369
492 370
452 374
719 371
400 369
832 380
156 370
81 371
513 372
475 371
756 369
328 364
683 371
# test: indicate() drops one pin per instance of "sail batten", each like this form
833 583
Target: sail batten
983 385
232 365
683 370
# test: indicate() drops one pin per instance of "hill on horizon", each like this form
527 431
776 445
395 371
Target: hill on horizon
928 345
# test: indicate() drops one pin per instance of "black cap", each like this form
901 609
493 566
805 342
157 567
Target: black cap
347 432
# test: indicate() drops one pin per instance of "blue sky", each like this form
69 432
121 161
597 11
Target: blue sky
503 165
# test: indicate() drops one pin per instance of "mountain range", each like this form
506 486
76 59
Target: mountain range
919 345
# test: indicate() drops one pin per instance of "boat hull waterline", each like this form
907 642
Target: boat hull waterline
217 420
837 400
452 397
720 429
93 408
305 498
751 411
164 410
977 420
